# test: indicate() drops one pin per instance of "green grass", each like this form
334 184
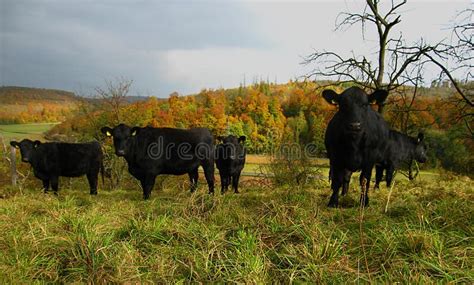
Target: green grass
263 235
21 131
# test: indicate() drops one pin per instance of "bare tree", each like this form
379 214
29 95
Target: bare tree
394 57
459 52
402 105
114 95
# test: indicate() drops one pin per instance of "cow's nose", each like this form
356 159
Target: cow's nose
354 126
120 152
25 159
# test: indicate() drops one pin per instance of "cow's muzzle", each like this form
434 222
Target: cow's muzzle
25 160
355 127
120 152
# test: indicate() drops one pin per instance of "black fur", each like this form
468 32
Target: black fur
401 148
54 159
153 151
355 139
230 160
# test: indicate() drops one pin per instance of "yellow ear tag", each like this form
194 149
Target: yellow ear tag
108 134
134 133
17 147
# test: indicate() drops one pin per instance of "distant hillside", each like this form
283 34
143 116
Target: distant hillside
33 105
15 95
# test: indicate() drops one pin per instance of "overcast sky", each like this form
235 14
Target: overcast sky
185 46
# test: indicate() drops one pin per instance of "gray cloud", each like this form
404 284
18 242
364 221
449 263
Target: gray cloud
72 44
183 46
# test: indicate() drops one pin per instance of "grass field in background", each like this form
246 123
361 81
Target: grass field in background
20 131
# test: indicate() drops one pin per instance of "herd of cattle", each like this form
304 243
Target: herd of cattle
357 138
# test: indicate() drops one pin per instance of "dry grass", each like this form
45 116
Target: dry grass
264 235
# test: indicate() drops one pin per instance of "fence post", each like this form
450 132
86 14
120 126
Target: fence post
13 165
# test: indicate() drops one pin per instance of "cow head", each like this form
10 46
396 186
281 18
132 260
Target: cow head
27 148
233 145
421 149
354 104
122 135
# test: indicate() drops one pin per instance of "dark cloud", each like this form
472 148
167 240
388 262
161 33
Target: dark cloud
72 44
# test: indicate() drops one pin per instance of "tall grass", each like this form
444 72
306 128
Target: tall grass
279 235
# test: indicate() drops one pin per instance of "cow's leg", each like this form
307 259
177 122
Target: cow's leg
389 172
235 182
147 184
346 182
193 178
378 175
410 172
228 181
337 177
224 181
45 185
209 174
54 180
92 178
364 185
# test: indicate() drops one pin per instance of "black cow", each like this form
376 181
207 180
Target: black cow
153 151
400 148
355 139
230 160
54 159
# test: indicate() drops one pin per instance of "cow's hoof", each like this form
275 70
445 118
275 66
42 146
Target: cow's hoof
55 193
236 192
332 204
94 193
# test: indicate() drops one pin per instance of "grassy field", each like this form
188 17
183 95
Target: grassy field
21 131
263 235
266 234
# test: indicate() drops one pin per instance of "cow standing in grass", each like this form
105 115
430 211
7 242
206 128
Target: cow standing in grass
150 152
400 148
230 160
54 159
355 139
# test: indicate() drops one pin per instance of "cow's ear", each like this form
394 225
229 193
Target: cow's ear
14 144
36 143
134 131
242 139
420 138
378 96
331 96
106 131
